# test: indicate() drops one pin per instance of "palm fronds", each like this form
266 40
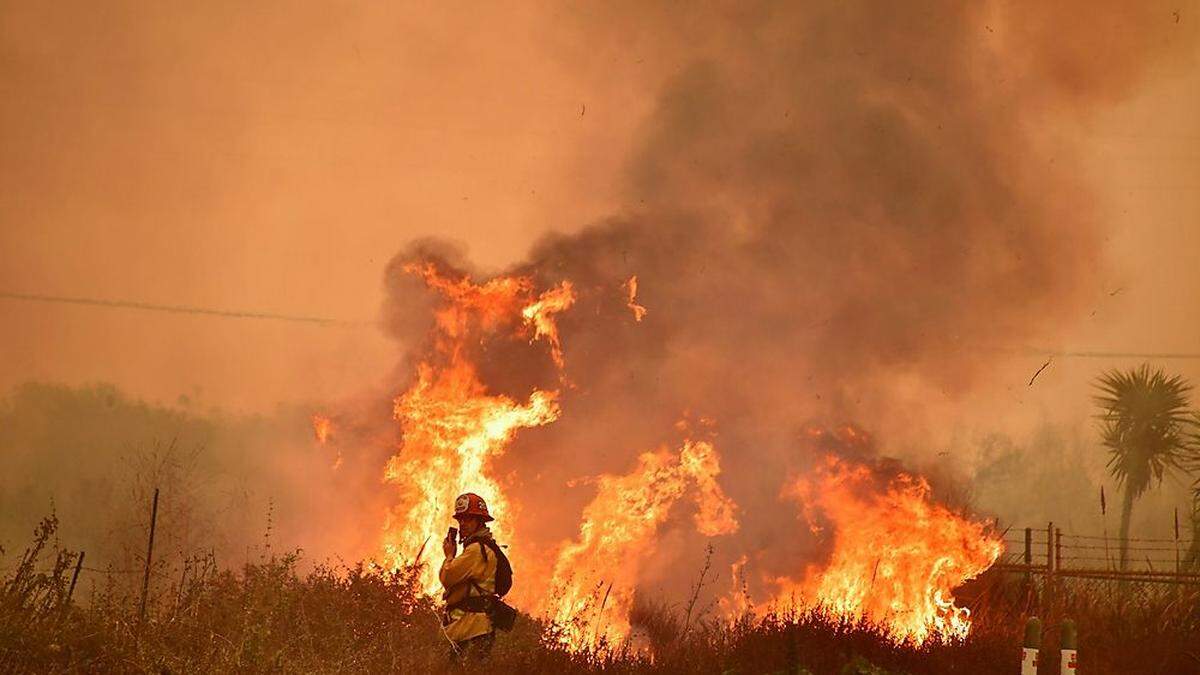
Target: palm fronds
1145 425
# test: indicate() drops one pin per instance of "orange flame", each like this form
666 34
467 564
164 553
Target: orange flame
452 426
540 315
595 575
896 556
323 431
737 603
322 428
631 287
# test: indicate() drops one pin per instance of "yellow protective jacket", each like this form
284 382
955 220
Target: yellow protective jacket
460 576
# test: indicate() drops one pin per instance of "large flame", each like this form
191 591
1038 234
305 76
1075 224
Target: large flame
895 555
596 575
452 426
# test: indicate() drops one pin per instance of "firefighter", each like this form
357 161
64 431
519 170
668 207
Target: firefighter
471 579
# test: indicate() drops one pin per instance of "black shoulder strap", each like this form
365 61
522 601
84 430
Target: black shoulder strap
483 550
484 545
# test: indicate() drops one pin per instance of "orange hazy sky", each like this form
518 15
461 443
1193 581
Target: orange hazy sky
274 157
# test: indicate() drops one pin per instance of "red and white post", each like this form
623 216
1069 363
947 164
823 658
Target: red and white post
1033 642
1070 642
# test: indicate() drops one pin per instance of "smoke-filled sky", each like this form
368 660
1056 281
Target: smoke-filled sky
274 158
867 212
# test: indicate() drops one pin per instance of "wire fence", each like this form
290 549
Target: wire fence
1031 551
1047 551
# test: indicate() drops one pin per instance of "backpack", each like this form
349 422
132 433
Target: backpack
503 617
503 567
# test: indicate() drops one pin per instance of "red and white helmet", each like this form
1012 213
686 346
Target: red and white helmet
471 504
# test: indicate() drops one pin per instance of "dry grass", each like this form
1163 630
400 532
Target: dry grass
270 617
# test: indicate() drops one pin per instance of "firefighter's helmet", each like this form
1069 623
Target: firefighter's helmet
471 504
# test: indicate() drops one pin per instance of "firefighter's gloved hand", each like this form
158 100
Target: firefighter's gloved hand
449 547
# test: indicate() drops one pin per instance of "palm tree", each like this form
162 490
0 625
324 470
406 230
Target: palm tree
1143 423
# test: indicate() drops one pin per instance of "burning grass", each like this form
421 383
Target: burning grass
271 616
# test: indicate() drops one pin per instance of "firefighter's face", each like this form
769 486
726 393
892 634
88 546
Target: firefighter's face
467 525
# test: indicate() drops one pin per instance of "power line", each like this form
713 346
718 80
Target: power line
177 309
1122 355
324 321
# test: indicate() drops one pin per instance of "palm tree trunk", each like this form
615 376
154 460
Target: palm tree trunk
1126 512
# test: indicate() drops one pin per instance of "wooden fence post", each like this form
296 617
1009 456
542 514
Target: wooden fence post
1058 566
149 556
1050 547
1178 568
1048 586
75 576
